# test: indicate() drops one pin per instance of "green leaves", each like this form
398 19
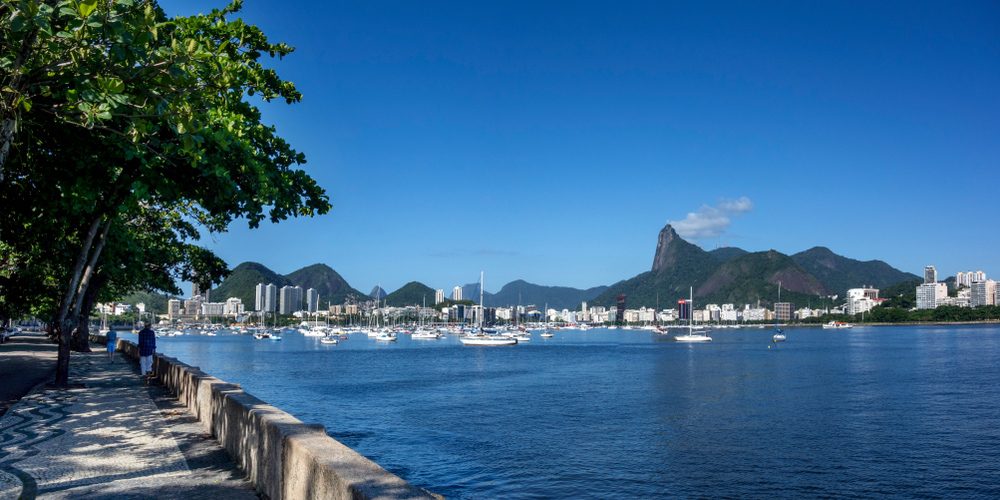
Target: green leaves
86 7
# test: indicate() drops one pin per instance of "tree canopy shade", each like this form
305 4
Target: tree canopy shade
126 130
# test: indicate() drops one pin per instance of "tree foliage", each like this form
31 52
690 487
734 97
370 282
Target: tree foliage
125 132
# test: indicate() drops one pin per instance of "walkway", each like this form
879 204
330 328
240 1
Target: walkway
114 438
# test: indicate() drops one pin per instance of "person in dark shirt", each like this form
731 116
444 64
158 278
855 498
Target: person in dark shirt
147 347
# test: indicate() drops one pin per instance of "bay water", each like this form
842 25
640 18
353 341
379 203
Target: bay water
870 411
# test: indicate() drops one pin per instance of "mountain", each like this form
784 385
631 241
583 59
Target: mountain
677 265
242 282
411 294
377 293
755 276
330 285
471 292
733 275
243 279
558 297
724 254
838 273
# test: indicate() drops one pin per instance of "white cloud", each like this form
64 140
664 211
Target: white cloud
709 221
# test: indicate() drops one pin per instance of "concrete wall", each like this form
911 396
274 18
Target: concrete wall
283 457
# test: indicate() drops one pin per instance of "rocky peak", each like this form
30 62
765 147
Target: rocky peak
666 253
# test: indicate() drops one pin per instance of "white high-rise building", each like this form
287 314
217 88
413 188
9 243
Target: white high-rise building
270 298
312 300
290 299
979 277
260 292
984 293
930 274
456 293
960 279
438 296
930 295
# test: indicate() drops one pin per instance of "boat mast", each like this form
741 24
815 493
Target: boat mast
482 311
691 313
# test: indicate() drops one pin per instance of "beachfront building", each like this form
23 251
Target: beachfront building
174 309
456 293
266 297
983 293
930 274
783 310
930 295
312 300
212 309
234 307
861 300
438 296
289 299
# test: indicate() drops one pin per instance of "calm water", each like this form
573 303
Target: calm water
624 413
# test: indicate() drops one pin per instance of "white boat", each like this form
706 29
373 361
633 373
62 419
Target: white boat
547 334
837 325
425 334
386 337
692 337
481 337
487 340
522 337
779 334
328 340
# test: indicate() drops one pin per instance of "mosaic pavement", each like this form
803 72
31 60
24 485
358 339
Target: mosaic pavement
115 438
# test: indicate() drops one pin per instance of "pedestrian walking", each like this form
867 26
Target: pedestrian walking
147 346
112 341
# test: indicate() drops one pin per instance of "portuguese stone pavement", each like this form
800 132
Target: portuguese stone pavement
115 437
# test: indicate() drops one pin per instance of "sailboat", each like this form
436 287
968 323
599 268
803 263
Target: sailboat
546 334
692 337
779 334
479 337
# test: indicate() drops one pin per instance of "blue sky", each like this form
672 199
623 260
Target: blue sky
551 141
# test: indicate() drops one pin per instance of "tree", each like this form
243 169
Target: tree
118 110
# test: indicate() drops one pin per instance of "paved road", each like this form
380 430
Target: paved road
113 438
26 360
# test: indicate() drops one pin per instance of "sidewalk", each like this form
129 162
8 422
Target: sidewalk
115 438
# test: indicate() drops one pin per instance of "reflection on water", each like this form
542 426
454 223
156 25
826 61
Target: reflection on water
616 413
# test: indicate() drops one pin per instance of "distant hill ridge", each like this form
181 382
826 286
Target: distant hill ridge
722 275
243 279
733 275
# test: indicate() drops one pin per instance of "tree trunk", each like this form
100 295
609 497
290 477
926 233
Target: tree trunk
88 273
81 336
65 323
63 331
74 279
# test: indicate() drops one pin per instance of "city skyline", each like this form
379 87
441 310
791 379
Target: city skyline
553 146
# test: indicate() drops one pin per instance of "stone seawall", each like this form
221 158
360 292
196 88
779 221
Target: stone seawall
283 457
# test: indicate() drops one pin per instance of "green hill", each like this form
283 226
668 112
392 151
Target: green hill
242 282
838 273
330 285
413 293
558 297
677 265
243 279
755 276
725 254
